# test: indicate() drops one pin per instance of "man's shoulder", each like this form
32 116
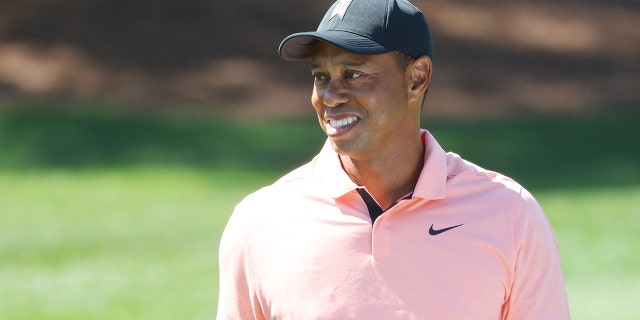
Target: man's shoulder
470 182
285 187
298 175
466 173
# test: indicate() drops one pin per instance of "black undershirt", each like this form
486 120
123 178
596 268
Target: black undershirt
374 209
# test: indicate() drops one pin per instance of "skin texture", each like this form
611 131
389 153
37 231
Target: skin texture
382 148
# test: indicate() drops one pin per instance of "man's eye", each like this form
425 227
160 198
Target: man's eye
319 77
352 75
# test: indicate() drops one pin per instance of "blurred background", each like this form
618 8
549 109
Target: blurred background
490 54
129 130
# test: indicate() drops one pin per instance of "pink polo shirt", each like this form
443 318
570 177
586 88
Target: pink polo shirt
469 244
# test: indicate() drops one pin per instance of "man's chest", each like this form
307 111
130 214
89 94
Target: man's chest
413 263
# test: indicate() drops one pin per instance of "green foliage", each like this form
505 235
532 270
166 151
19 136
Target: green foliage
118 215
561 151
93 137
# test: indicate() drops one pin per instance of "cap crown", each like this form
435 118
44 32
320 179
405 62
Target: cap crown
368 27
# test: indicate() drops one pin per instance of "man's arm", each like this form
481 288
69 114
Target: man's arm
538 290
237 297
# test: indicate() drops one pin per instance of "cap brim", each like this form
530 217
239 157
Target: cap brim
301 46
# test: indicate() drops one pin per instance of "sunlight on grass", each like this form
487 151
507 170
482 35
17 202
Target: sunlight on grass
136 244
597 230
143 243
107 215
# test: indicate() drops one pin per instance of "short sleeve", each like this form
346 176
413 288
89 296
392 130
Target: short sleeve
538 289
237 297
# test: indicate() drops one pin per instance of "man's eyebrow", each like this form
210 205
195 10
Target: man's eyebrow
348 64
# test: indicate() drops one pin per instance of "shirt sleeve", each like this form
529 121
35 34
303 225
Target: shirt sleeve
237 298
538 289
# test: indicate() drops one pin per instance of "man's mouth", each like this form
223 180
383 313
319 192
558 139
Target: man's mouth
342 122
337 127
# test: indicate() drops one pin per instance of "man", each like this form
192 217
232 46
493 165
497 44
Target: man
382 223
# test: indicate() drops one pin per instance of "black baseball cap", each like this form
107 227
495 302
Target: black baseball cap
365 27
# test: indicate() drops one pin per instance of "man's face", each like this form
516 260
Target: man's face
361 101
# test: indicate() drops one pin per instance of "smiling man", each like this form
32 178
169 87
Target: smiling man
383 223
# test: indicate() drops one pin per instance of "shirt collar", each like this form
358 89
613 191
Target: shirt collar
431 183
328 168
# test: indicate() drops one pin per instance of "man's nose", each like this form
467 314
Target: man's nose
335 93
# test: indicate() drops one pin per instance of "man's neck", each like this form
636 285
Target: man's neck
388 176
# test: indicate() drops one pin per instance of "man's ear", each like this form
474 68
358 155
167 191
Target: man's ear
420 75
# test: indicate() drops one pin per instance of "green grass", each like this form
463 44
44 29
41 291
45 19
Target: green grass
117 215
123 244
598 234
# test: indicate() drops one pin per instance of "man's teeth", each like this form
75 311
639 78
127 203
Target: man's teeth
342 122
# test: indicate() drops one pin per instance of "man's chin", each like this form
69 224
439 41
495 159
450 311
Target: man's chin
346 148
